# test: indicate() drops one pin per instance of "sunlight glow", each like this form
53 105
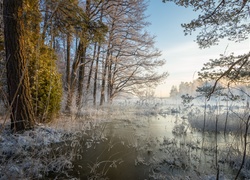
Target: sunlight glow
186 59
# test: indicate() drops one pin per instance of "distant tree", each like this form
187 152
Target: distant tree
185 88
145 94
174 92
19 94
204 92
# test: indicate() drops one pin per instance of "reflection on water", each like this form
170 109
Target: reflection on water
154 147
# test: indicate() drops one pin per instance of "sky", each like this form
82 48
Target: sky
183 56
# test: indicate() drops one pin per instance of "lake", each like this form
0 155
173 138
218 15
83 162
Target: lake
154 146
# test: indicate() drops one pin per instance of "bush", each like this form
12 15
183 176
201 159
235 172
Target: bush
46 85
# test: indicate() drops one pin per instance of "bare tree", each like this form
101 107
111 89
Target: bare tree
131 58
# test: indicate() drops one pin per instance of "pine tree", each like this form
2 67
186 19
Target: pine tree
22 116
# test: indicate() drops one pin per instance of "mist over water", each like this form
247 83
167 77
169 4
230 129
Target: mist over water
160 141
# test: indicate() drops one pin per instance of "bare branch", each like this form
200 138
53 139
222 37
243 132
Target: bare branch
228 71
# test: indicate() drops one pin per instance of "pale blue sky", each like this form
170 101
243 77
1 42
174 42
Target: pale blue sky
181 53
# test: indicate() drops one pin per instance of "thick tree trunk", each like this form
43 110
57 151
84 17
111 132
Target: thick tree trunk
73 78
22 115
81 78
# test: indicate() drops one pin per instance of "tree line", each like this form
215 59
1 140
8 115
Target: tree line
83 51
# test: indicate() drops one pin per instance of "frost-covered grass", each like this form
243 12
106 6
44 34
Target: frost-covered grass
234 158
235 121
51 151
47 149
30 155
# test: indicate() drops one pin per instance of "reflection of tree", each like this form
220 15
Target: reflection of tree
228 97
186 100
219 92
185 87
203 92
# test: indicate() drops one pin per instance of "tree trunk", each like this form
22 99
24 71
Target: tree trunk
97 63
96 73
105 67
91 69
112 92
204 116
83 61
81 78
68 62
104 72
73 77
45 22
22 115
110 63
